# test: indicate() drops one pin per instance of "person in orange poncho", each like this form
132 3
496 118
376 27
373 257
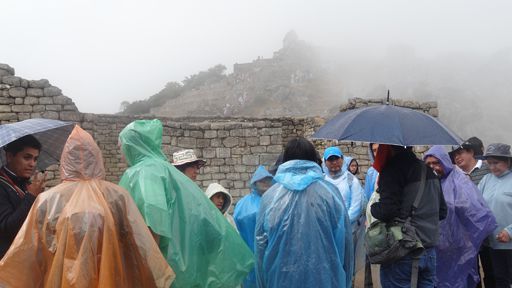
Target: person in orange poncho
85 232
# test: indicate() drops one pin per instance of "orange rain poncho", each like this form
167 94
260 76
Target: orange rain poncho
85 232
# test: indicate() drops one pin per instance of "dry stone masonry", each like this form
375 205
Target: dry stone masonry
232 147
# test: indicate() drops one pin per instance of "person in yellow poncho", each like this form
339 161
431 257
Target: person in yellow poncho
84 232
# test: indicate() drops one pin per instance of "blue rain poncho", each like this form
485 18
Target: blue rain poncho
303 235
468 222
497 192
371 176
246 211
197 241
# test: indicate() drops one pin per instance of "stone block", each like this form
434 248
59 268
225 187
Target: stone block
17 92
235 160
166 139
30 100
238 184
236 133
8 116
23 116
275 149
216 142
8 69
70 116
233 176
226 183
222 133
52 91
36 92
434 112
264 140
5 108
71 107
22 108
239 168
18 101
224 169
62 100
223 152
24 83
210 134
217 162
187 142
252 141
12 80
203 143
251 132
230 142
46 100
196 134
209 152
258 149
240 150
250 160
43 83
276 140
6 100
53 107
218 176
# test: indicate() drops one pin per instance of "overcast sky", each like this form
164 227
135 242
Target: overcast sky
103 52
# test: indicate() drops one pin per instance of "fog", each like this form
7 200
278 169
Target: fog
101 53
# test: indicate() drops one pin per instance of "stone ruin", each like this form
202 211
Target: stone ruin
232 147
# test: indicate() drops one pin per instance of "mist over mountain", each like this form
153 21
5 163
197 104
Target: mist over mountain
301 79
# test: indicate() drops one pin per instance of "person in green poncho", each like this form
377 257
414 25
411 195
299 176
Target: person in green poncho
202 248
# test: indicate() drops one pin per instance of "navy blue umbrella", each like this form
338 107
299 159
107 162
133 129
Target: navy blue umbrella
387 124
52 134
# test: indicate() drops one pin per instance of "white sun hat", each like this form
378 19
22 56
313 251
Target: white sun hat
186 156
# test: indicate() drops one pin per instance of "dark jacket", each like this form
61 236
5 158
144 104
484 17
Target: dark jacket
399 182
478 173
13 210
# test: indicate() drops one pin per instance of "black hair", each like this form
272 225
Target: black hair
501 158
301 149
19 144
357 170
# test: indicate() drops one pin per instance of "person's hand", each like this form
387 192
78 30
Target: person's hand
38 184
503 236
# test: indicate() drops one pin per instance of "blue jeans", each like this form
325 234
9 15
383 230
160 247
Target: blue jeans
398 274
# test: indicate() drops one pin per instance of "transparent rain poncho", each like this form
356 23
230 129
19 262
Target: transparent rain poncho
246 211
203 249
468 222
303 234
84 232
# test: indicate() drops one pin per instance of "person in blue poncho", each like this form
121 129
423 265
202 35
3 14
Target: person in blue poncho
246 211
303 235
371 174
497 192
468 222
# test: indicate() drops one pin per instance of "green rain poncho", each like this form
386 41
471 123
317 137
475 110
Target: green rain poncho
203 249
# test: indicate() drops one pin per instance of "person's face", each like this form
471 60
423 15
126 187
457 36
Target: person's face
191 171
218 200
24 162
435 165
263 185
334 164
463 158
353 167
375 148
497 167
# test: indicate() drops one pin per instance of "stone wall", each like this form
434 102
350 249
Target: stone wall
232 147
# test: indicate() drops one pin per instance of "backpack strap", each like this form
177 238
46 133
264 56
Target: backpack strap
420 192
415 272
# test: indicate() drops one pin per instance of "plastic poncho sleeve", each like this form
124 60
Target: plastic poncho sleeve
302 231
